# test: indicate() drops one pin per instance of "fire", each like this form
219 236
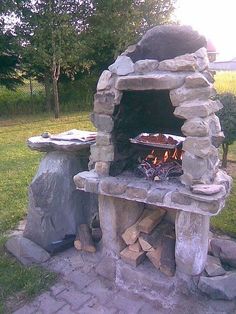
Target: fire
168 156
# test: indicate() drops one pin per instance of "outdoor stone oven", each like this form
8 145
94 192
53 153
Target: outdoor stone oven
160 85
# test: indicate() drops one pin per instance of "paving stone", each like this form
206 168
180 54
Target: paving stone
101 288
47 304
123 302
58 288
66 310
80 279
74 297
107 268
96 309
26 309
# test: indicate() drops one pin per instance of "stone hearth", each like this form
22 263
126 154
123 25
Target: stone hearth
158 94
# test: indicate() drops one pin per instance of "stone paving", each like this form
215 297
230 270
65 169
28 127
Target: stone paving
80 289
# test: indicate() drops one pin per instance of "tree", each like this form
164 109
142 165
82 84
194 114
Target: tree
49 33
227 117
9 58
115 24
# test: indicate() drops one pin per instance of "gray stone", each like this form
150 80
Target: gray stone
156 195
102 153
113 186
104 81
198 146
208 75
103 139
179 198
220 287
130 49
223 178
185 62
26 251
122 66
167 42
102 168
213 266
137 191
55 207
225 250
193 165
157 81
102 122
145 66
196 80
183 94
191 242
206 189
116 215
195 127
202 59
218 139
107 268
104 103
197 108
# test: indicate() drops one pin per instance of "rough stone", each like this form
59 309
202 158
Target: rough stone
156 195
103 123
167 42
223 178
103 139
102 153
185 62
209 76
179 198
157 81
225 250
206 189
55 206
26 251
193 165
220 287
196 80
197 108
218 139
102 168
145 66
116 215
137 191
191 242
202 59
104 103
195 127
81 178
213 266
104 80
130 49
113 186
122 66
184 94
198 146
107 268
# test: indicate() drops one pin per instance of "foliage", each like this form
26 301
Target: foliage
227 117
225 82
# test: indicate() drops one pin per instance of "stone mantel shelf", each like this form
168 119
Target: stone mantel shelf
47 144
172 195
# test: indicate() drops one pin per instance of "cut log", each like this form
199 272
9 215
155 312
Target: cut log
151 241
148 223
132 258
131 234
77 244
96 234
85 238
136 247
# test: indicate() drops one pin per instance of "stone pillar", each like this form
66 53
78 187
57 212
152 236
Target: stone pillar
56 208
191 242
115 216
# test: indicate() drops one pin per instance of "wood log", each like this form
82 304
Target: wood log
136 247
148 223
131 234
132 258
77 244
85 238
96 234
151 241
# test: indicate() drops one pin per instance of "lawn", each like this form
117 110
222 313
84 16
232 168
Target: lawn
17 168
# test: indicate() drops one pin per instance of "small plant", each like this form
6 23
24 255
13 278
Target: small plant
227 118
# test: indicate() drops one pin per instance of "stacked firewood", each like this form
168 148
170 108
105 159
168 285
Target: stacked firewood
88 236
153 237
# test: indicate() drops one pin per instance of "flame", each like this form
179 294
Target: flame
167 156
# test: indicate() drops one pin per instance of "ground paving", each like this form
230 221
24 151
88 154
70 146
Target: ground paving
80 289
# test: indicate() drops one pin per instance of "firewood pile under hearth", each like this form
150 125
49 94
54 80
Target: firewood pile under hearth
152 237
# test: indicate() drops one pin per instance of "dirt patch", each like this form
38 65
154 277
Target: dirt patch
231 168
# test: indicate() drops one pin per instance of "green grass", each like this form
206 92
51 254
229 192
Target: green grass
225 82
17 168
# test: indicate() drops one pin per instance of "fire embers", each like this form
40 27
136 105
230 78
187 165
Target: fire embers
161 165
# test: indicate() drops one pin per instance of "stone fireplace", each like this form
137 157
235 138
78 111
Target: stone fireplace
161 85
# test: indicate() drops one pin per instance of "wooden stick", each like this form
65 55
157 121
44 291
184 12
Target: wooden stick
147 224
85 239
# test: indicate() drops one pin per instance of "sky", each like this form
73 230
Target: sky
215 19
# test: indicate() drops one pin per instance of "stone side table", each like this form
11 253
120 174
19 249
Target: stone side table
56 208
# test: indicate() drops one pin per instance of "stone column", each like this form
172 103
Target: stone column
191 242
115 216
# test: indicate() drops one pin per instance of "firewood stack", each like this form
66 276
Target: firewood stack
152 237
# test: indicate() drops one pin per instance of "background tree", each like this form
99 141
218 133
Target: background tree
227 117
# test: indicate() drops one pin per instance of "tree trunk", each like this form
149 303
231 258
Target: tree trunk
31 93
47 94
56 98
225 147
